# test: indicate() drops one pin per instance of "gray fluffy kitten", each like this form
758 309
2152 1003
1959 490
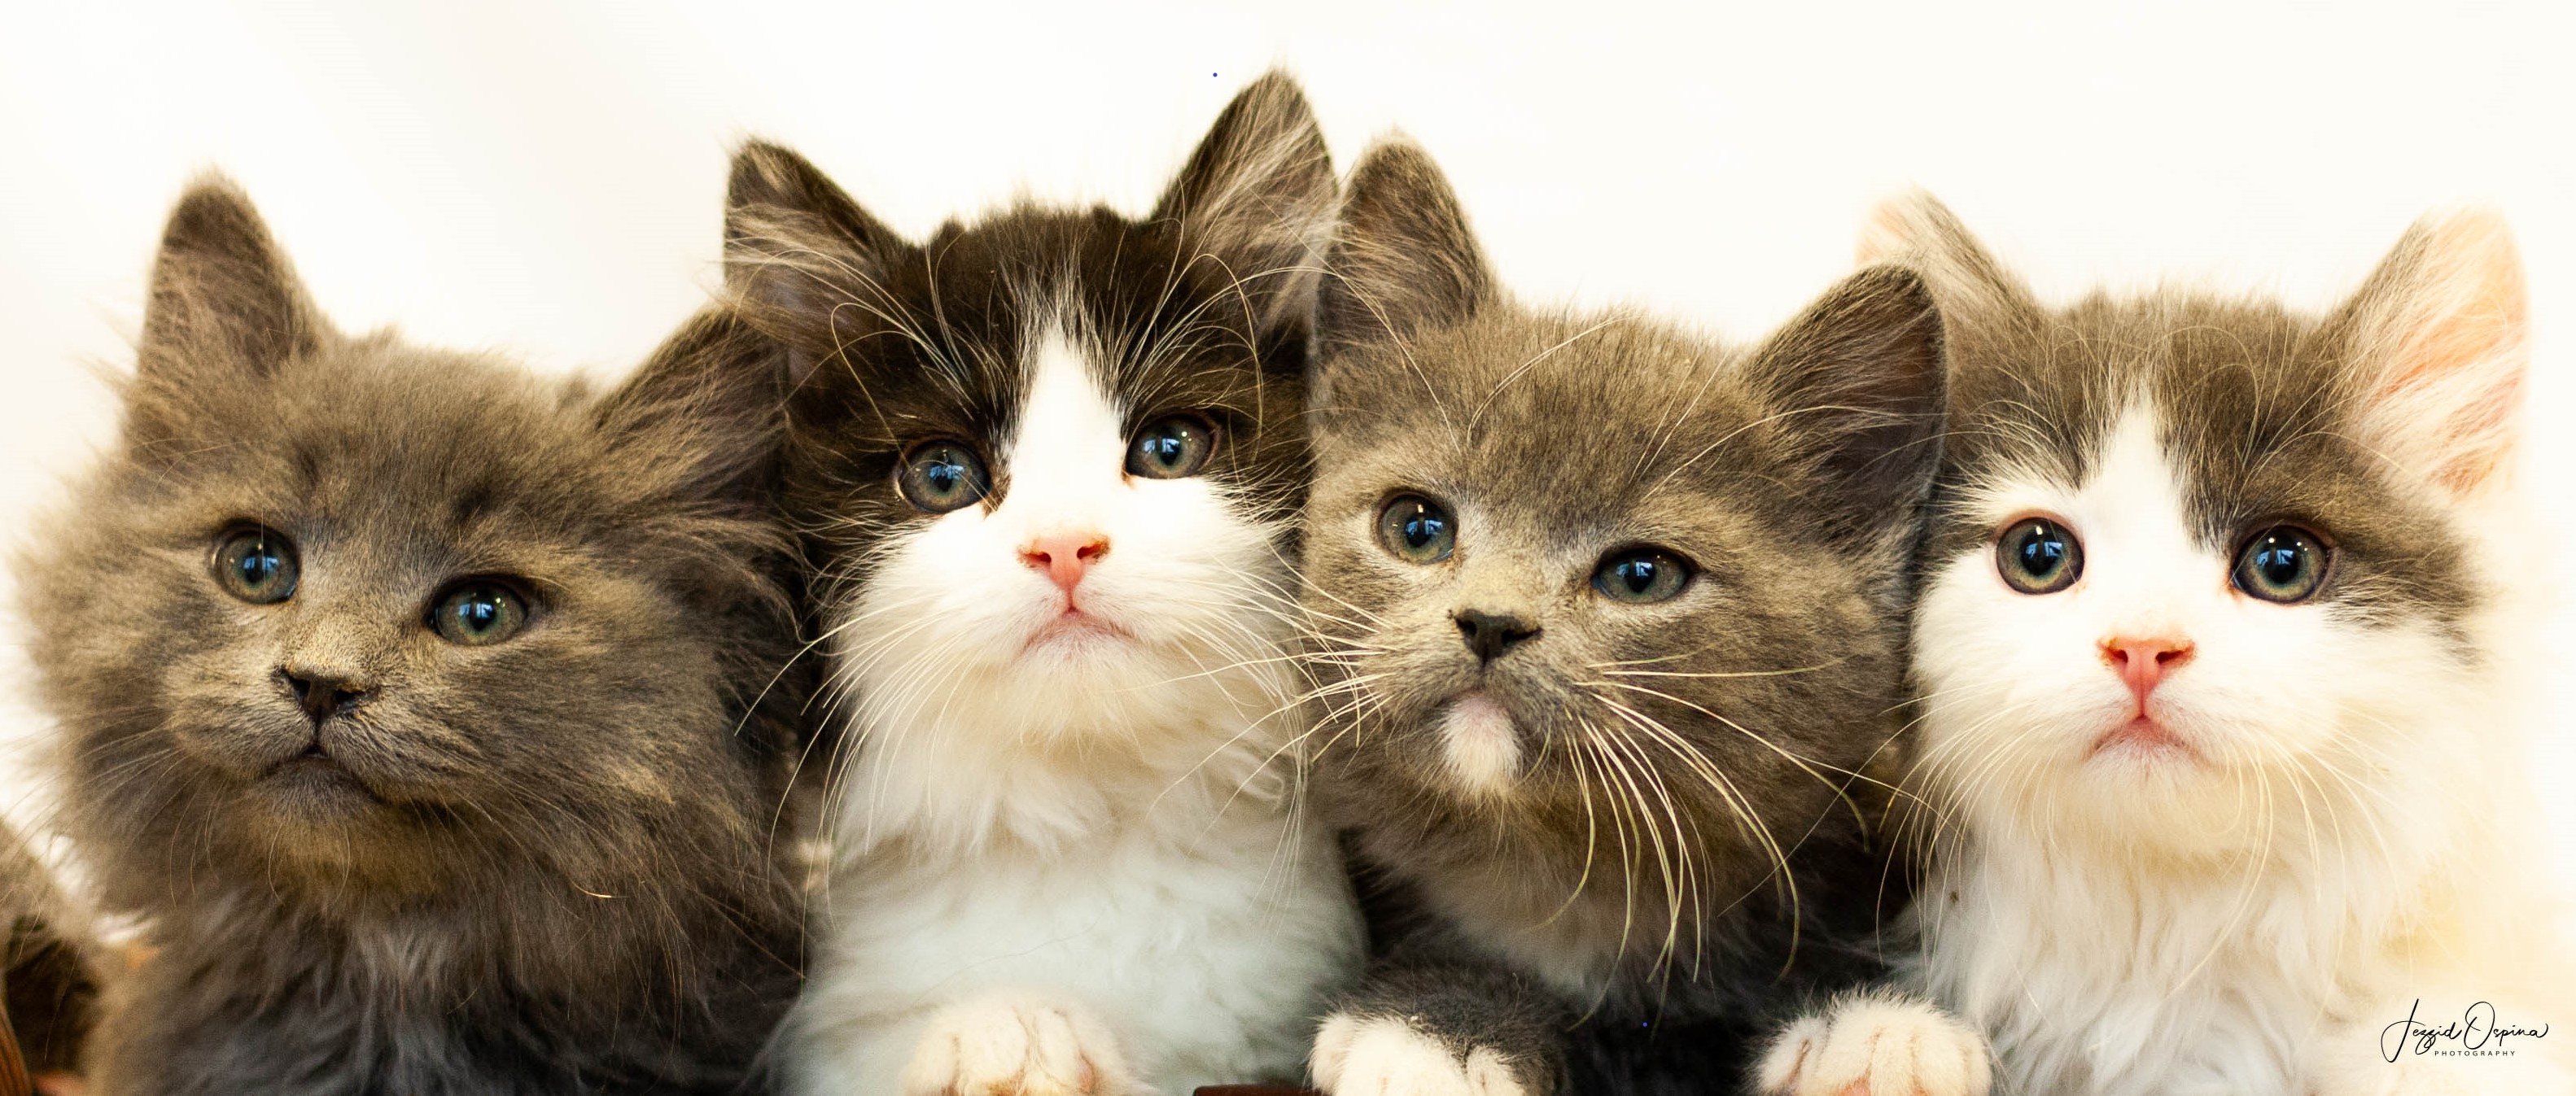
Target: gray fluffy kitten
1610 627
422 708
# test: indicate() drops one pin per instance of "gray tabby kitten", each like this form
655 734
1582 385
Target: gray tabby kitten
429 714
1610 627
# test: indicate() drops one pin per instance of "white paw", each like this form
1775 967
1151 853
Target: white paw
1869 1045
1016 1046
1388 1057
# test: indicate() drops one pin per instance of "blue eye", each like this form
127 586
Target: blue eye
2038 556
2284 563
1171 447
478 613
257 566
1417 530
941 476
1641 575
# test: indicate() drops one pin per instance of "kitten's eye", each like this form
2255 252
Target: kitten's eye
2283 563
941 476
478 612
1417 530
1171 447
257 566
1641 575
2039 556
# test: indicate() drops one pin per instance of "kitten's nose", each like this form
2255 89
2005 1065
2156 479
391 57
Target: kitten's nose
1065 556
1491 634
322 694
2143 663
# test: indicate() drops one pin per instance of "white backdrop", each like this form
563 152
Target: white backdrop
549 180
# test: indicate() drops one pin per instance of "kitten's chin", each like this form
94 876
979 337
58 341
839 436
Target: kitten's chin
1481 744
1075 635
2144 741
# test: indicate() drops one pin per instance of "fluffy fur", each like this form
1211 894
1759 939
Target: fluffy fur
2242 879
1066 851
539 865
1608 857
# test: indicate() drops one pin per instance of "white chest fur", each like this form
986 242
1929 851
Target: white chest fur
2095 979
1202 943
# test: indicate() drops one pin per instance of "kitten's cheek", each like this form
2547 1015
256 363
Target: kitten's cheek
232 733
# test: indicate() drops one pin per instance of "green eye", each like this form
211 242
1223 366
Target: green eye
478 613
1171 447
2039 556
256 565
2283 563
1417 530
1641 575
941 476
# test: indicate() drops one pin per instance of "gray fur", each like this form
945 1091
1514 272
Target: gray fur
544 865
1687 849
2262 408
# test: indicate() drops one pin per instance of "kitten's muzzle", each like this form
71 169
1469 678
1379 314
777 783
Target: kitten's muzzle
1490 635
323 694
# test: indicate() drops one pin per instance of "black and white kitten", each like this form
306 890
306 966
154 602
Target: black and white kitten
1610 625
427 713
1047 464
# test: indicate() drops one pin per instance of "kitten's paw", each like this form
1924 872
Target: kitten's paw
1016 1046
1384 1056
1872 1045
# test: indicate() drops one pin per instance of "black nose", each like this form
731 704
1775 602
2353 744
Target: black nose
1491 634
322 695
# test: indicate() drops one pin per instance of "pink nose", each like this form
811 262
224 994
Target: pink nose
1065 556
2143 663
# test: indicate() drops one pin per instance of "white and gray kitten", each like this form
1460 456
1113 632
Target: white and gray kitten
2215 654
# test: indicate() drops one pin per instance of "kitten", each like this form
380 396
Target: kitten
424 710
1610 630
2215 653
1047 465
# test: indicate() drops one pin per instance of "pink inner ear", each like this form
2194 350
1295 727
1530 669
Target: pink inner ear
2477 432
1889 232
2458 349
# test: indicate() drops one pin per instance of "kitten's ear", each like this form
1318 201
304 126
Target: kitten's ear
1858 381
798 250
1403 259
225 304
1257 198
1916 230
2439 335
705 413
